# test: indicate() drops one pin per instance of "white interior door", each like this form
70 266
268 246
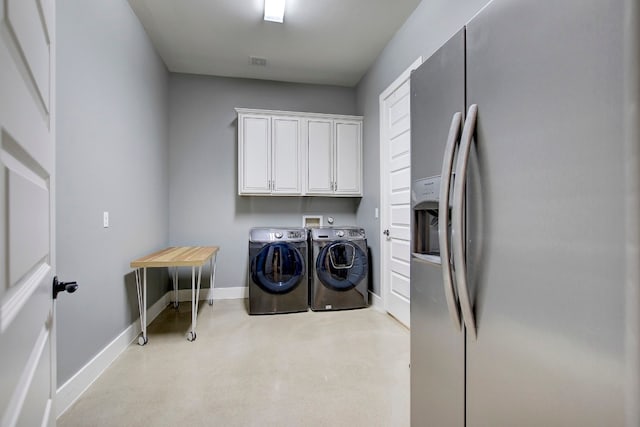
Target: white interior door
27 260
395 168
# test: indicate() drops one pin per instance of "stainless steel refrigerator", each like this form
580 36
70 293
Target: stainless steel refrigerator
518 196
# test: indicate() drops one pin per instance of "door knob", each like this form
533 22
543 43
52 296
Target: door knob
58 287
386 233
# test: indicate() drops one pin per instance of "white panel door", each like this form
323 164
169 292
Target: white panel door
319 156
255 154
395 161
285 143
27 258
348 158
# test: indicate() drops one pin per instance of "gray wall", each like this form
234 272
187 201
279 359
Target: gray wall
130 138
112 155
203 166
429 26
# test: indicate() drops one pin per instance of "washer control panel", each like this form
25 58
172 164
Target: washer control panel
342 233
265 235
297 234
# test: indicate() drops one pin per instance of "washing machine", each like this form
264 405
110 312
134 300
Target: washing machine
340 278
278 274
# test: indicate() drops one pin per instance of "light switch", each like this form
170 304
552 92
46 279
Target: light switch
105 219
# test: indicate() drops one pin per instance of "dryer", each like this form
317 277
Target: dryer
278 274
340 261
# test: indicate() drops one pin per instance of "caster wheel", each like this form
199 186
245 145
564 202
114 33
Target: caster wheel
142 340
191 336
176 304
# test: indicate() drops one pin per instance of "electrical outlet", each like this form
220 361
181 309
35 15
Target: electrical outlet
105 219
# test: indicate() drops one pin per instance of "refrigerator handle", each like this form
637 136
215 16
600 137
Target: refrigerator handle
457 222
443 218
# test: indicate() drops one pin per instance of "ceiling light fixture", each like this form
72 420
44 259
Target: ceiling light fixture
274 10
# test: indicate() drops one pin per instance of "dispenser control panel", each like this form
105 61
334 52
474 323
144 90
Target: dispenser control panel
425 195
426 190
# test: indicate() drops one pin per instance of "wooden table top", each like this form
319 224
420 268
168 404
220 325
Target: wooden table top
179 256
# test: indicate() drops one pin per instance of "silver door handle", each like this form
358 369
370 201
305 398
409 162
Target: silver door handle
458 219
443 218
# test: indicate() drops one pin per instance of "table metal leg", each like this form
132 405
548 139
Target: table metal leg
142 304
175 287
195 296
212 279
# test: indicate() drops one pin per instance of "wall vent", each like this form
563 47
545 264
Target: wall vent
260 62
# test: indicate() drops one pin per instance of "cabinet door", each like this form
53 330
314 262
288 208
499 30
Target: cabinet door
254 167
319 156
348 158
285 143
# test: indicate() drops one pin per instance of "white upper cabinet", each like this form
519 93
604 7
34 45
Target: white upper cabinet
286 151
334 157
348 157
320 156
269 154
291 153
255 154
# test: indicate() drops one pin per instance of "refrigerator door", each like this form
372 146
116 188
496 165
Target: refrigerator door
545 213
437 346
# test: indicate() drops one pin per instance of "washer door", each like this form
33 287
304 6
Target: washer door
278 268
341 265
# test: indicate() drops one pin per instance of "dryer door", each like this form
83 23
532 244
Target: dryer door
341 265
278 268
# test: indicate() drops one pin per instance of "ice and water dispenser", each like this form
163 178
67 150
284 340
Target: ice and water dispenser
425 196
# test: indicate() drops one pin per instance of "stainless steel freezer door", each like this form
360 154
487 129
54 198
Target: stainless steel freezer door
437 93
437 352
437 346
545 233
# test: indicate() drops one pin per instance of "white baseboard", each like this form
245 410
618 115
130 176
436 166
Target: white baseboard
73 388
238 292
376 302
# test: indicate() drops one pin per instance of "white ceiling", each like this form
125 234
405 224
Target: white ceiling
321 41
